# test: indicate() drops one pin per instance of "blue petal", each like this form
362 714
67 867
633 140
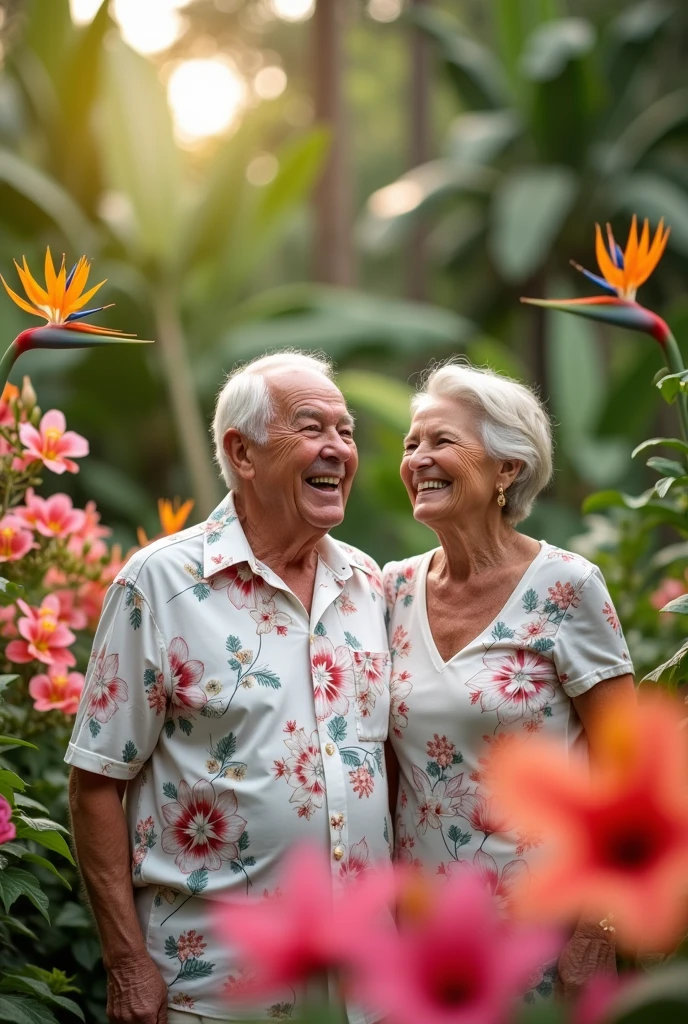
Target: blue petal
70 275
598 280
84 312
619 256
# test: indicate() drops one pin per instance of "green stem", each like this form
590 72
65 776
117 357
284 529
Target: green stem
6 363
675 364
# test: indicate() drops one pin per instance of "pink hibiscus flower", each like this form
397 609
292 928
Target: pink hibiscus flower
52 443
501 884
70 613
106 691
15 539
244 588
8 830
482 815
268 618
186 676
203 829
442 801
57 691
356 863
537 628
514 685
304 771
51 517
369 670
45 638
333 678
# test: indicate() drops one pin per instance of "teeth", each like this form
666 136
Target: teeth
427 485
325 480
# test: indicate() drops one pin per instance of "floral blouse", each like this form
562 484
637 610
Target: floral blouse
556 637
244 727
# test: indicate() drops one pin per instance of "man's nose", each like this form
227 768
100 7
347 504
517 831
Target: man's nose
336 447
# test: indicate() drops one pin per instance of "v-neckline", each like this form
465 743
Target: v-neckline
422 584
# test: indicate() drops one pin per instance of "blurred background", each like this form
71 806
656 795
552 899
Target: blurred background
379 179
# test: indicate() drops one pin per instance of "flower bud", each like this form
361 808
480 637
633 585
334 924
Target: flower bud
28 396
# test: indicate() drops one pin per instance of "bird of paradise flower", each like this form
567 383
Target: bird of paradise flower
622 272
60 302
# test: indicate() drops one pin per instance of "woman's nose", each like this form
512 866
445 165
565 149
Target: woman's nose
420 458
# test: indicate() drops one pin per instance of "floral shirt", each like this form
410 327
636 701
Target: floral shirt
556 637
244 726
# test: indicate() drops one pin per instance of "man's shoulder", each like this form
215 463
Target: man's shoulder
178 548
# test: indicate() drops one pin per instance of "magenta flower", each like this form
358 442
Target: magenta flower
203 829
333 678
308 928
186 676
52 443
7 828
455 959
44 637
15 539
51 517
57 691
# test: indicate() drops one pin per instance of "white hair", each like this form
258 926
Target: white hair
244 401
512 423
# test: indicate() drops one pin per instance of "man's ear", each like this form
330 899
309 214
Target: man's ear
508 471
237 450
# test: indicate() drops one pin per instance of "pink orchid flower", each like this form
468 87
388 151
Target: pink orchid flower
52 443
455 958
307 929
57 690
51 517
7 827
15 539
45 638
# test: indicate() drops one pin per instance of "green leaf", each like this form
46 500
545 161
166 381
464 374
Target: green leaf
15 882
266 677
9 592
197 881
350 758
11 779
169 790
479 136
14 982
21 800
194 969
352 641
225 748
35 858
552 45
233 644
433 769
529 209
244 841
336 729
663 486
672 384
171 946
602 500
46 837
630 39
679 605
14 741
320 630
73 915
22 1010
666 442
382 397
666 466
129 752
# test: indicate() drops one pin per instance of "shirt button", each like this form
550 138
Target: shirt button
338 852
330 748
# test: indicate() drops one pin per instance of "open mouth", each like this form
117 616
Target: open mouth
323 483
432 485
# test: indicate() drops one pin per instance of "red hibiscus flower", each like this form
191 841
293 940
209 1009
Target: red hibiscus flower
105 690
514 685
203 828
244 588
186 675
333 678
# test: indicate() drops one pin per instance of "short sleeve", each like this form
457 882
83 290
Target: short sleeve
389 574
122 708
590 645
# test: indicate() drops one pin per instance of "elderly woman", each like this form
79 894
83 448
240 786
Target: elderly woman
493 635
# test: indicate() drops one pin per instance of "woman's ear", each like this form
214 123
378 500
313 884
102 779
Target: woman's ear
237 451
508 471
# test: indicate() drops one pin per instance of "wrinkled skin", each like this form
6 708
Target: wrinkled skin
136 993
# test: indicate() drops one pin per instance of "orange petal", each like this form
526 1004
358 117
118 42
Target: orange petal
21 302
644 243
60 286
50 277
82 300
78 282
614 275
32 288
654 255
631 253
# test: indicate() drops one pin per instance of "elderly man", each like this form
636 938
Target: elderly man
238 691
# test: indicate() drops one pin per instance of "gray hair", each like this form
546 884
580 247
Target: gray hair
512 423
244 401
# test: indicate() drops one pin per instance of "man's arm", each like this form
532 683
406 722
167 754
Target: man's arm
137 993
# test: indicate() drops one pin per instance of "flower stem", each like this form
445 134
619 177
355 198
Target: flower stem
675 363
6 363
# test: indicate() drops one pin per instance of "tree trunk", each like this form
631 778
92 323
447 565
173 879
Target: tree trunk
334 261
419 153
191 428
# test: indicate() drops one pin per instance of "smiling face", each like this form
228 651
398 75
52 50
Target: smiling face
447 473
303 475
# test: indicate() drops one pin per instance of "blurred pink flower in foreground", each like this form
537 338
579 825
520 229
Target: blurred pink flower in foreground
455 958
7 828
668 590
595 1002
616 835
51 517
51 444
308 928
45 638
15 539
57 691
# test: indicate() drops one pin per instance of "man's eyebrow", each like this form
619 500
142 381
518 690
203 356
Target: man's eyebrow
306 413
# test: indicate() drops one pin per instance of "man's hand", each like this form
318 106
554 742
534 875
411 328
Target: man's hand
590 950
136 992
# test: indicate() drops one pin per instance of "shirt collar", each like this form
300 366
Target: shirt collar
225 544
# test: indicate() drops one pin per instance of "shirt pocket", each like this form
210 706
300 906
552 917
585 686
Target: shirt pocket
372 670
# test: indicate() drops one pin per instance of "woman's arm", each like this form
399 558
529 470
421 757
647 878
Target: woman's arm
591 949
